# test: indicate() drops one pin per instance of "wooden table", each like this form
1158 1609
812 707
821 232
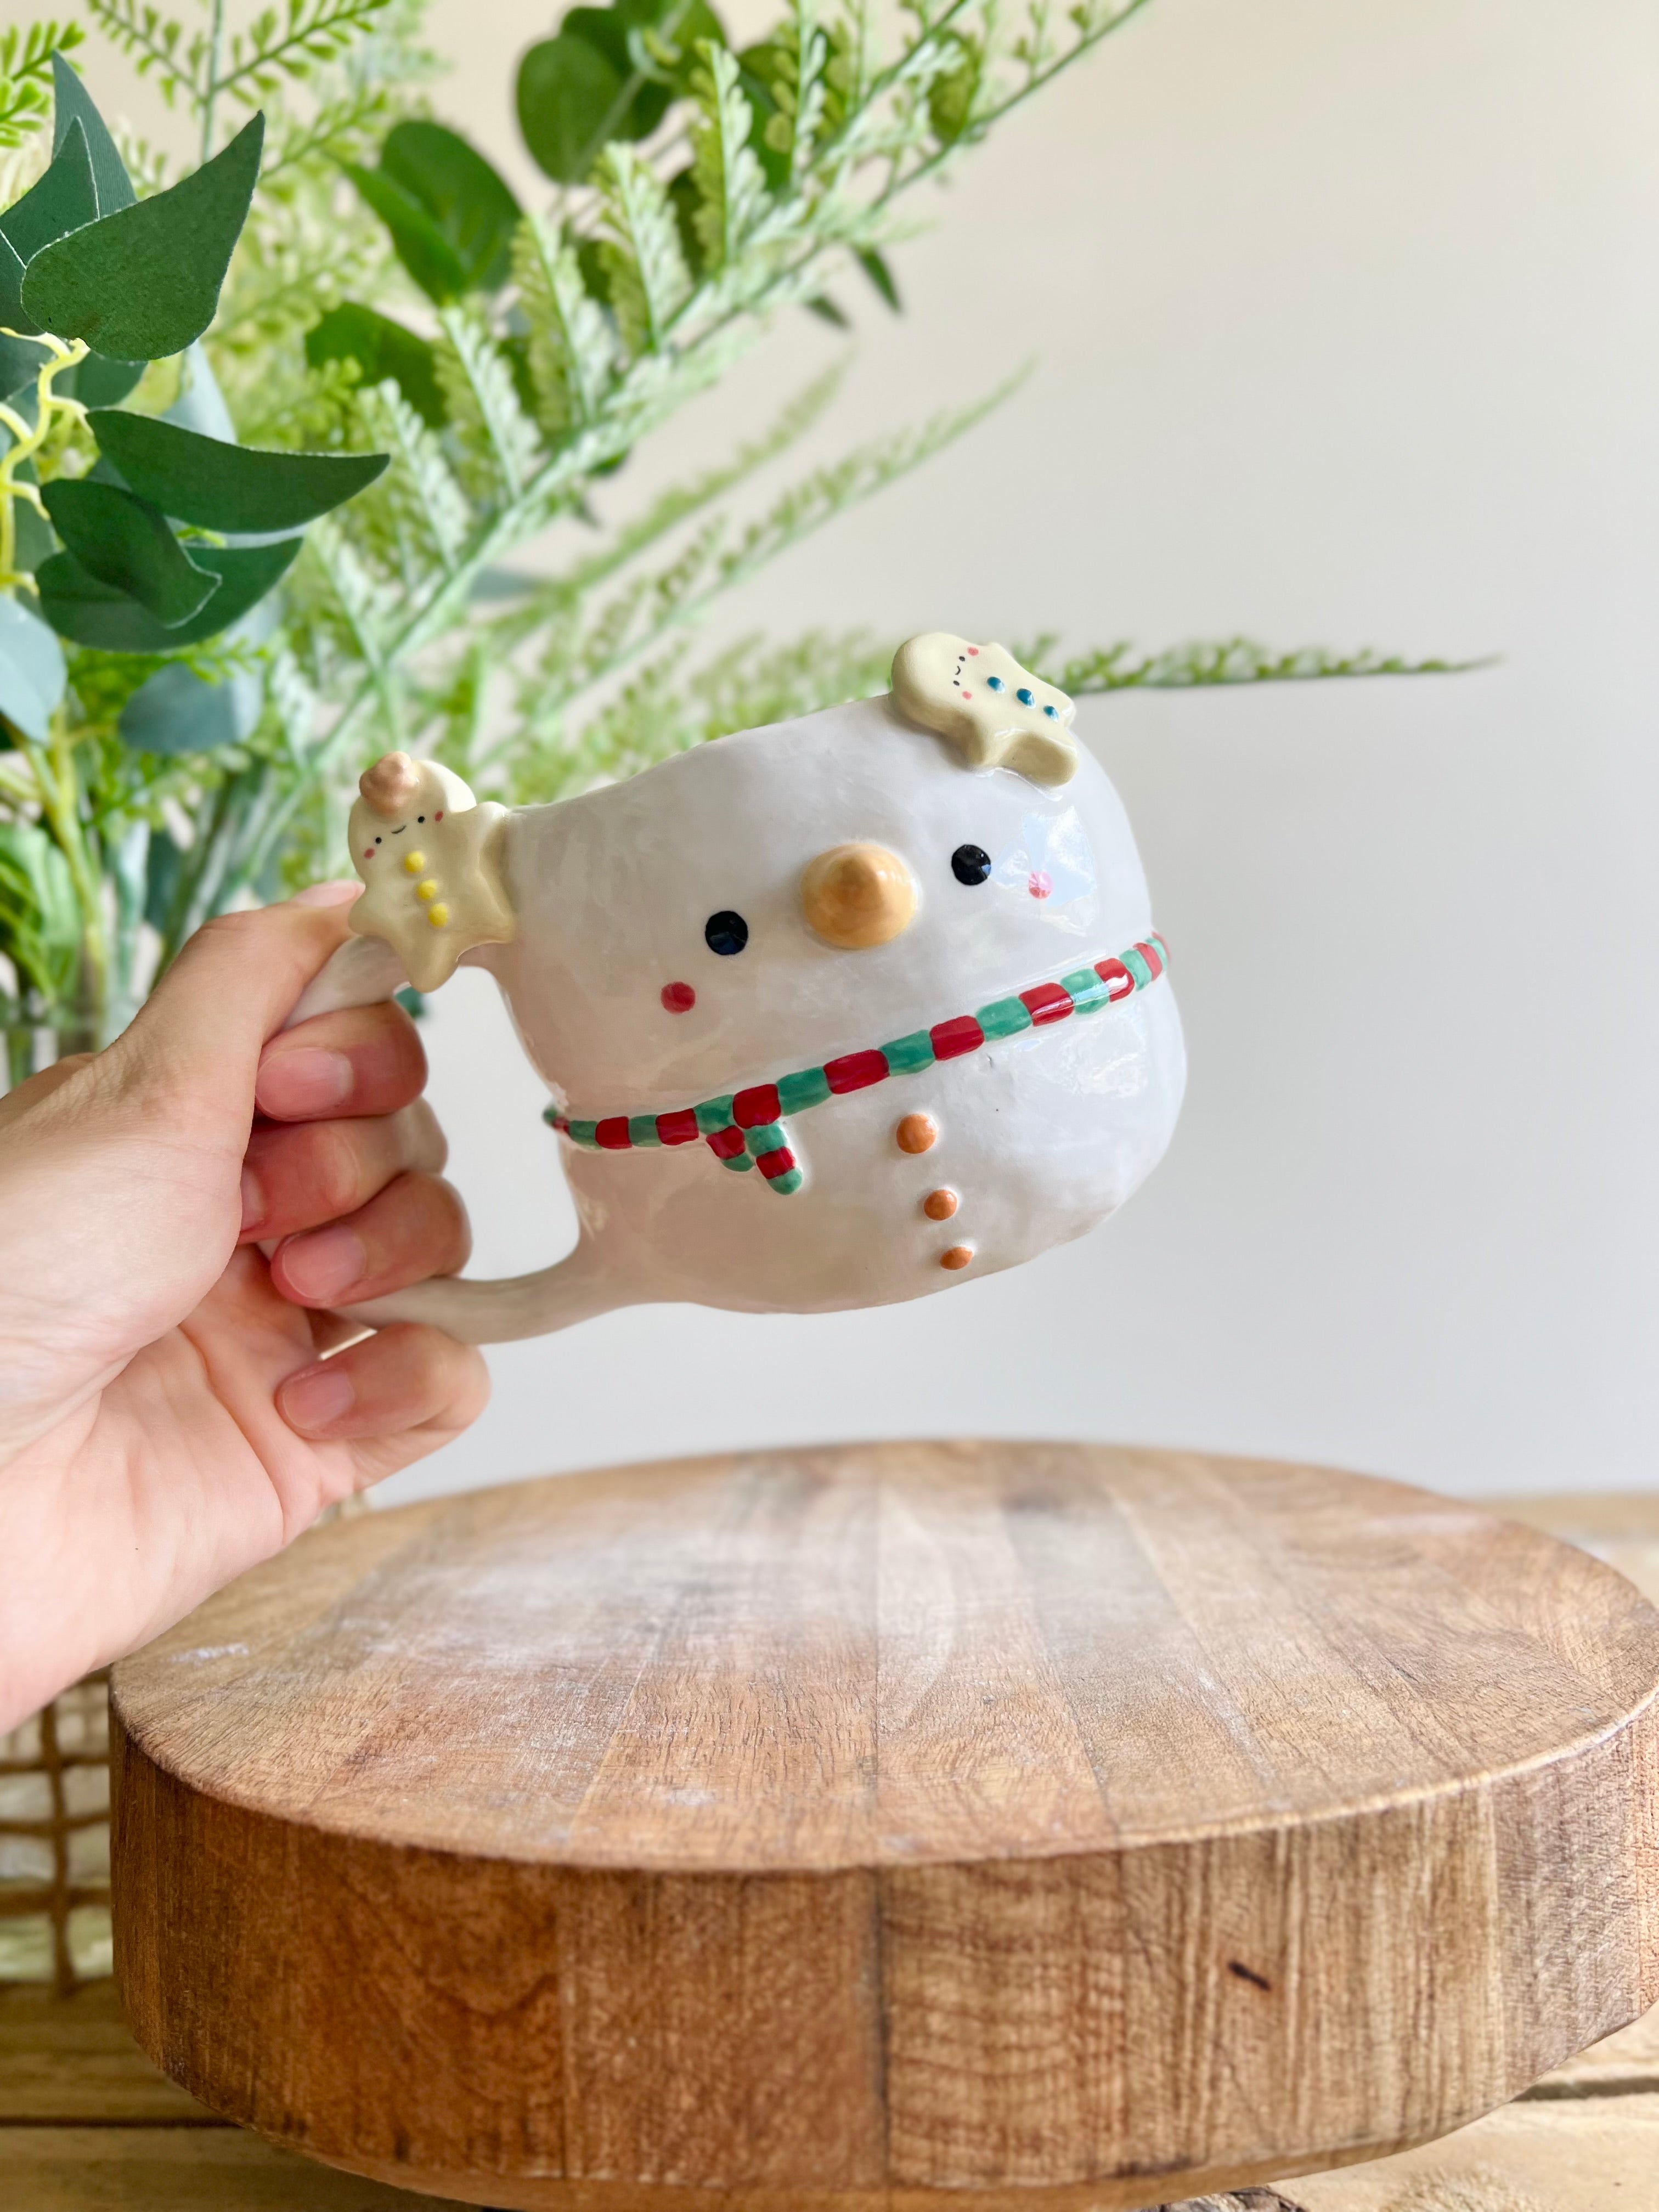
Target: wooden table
87 2123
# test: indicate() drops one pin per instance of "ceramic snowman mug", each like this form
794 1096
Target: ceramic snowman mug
835 1013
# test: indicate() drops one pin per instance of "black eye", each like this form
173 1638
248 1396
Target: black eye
420 818
971 864
377 841
726 932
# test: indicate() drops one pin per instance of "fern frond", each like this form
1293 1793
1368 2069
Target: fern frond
1228 660
417 502
26 74
496 439
572 353
291 43
730 188
156 45
640 248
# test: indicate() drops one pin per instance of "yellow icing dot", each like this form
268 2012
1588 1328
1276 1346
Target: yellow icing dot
437 915
428 890
414 863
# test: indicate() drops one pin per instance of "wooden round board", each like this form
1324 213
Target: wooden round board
818 1830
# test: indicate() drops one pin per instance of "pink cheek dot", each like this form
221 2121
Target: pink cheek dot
678 998
368 852
967 695
1040 884
972 653
439 816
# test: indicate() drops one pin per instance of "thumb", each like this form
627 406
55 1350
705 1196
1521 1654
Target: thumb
200 1034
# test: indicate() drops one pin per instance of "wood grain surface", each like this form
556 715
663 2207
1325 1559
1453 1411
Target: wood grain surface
1076 1828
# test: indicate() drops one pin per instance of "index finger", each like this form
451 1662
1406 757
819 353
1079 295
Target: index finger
231 988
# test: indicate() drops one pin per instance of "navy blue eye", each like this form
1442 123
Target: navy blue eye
725 933
971 864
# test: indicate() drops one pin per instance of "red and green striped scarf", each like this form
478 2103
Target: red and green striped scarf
745 1129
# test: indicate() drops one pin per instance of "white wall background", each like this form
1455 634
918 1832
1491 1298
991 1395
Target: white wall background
1346 331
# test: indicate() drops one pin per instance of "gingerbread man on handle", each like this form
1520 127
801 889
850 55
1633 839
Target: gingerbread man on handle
430 855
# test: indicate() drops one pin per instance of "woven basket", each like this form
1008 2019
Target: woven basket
54 1842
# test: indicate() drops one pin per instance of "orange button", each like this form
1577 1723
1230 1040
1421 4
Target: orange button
916 1132
957 1257
940 1205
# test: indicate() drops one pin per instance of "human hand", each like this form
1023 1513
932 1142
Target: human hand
166 1421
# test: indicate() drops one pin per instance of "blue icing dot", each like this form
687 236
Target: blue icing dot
993 683
1025 698
1053 713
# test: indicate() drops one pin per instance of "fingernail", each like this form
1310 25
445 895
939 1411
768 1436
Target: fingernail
316 1398
332 894
307 1081
253 1200
325 1263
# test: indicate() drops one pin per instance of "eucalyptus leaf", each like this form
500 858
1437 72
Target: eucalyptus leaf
383 350
75 105
568 92
20 362
430 258
79 606
144 283
98 381
12 314
470 204
177 711
218 486
32 673
61 200
124 541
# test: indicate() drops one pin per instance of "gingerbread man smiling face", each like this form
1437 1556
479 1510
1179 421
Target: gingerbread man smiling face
997 714
428 855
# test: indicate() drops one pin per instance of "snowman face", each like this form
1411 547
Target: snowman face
667 948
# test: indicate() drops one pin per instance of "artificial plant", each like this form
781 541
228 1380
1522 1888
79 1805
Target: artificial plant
383 292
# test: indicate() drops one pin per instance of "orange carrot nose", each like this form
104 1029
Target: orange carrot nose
858 895
391 785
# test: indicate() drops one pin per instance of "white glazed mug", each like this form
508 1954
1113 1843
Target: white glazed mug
833 1014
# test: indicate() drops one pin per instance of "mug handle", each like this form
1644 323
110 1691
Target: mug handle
364 972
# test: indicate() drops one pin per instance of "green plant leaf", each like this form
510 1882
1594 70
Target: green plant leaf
570 101
75 105
124 542
142 283
383 350
428 255
177 711
875 267
61 200
31 669
39 916
78 606
470 204
98 381
12 316
20 362
218 486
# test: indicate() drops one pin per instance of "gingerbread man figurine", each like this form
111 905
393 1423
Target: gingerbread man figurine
430 855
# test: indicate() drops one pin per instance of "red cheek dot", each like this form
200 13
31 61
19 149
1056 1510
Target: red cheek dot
368 852
1040 885
439 816
972 653
678 998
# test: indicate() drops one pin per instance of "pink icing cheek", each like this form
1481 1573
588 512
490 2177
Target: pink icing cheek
967 695
678 998
439 816
1040 884
368 852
